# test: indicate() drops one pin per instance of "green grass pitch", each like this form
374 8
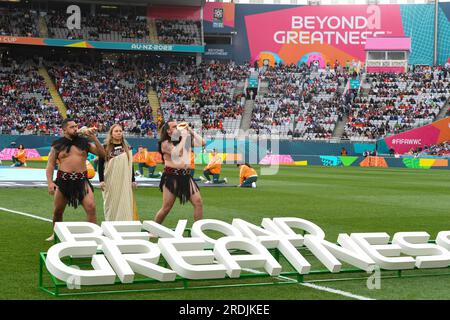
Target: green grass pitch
340 200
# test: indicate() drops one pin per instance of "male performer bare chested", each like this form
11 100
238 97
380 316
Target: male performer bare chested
72 185
176 182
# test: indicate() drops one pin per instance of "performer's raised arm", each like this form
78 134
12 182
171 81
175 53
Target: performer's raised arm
198 141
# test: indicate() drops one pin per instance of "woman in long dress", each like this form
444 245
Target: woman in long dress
116 175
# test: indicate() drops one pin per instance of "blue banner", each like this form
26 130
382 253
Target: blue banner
102 44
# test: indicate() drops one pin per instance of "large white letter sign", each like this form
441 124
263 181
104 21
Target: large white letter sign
124 230
129 256
443 239
163 232
78 231
288 244
123 248
117 261
286 224
102 273
199 227
143 257
267 238
428 255
258 258
295 239
385 255
349 252
188 259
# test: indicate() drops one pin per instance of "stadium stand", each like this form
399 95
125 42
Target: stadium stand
397 103
102 27
202 95
18 22
301 102
442 149
178 31
106 93
26 105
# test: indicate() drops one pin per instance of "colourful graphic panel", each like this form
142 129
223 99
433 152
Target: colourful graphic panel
205 158
334 161
277 159
420 163
7 154
330 161
374 162
411 163
201 158
434 133
218 17
328 33
348 161
440 163
102 44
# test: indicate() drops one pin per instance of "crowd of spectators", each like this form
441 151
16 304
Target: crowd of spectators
102 26
18 22
106 93
398 102
441 149
301 102
178 31
109 27
203 95
25 103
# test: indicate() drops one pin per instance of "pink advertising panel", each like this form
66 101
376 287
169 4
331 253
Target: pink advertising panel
434 133
7 153
333 32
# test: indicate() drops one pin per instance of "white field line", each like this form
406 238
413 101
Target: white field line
25 214
317 287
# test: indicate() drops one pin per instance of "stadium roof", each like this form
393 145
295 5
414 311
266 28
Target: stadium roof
142 2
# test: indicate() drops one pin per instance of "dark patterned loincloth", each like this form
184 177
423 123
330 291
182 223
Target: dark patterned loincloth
179 182
74 186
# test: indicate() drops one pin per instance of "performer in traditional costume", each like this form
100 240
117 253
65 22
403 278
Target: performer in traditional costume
175 146
72 186
116 176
